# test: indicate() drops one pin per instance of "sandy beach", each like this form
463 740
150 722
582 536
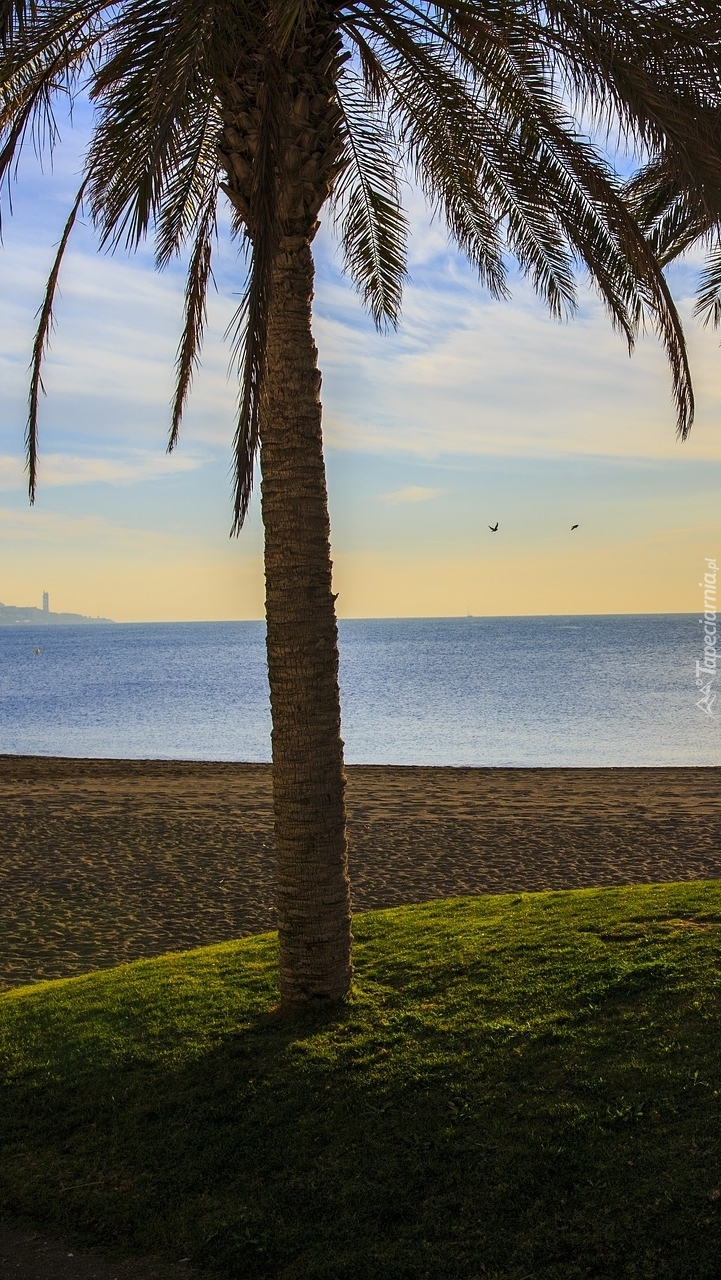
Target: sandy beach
104 861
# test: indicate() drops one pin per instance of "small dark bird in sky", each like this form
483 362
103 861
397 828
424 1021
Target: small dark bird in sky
493 527
573 526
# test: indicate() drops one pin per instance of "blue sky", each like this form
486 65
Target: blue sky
474 411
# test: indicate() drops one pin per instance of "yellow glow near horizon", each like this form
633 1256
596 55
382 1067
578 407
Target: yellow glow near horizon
649 576
654 575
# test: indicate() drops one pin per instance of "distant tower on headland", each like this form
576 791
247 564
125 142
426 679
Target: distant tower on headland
46 602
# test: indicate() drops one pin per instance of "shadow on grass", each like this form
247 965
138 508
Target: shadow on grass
515 1115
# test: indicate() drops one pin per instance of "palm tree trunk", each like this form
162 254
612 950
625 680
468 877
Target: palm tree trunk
314 920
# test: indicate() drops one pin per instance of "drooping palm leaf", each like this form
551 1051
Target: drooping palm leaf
478 96
42 335
191 191
153 87
679 205
251 325
196 293
366 204
48 64
14 14
708 301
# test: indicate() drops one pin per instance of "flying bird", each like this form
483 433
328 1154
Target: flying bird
573 526
493 527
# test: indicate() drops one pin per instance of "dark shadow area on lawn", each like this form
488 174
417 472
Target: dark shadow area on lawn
30 1255
373 1144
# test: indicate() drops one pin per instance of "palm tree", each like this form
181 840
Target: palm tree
284 106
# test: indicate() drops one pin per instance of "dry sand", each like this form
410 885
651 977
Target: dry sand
102 862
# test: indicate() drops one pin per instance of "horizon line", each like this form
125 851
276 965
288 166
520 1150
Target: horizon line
411 617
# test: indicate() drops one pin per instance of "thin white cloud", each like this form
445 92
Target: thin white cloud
411 493
112 353
52 529
91 535
464 375
470 376
61 469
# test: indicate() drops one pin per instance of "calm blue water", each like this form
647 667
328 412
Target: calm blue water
474 691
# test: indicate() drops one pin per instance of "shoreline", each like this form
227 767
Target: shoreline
105 861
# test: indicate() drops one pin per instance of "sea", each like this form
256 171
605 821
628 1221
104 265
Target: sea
538 691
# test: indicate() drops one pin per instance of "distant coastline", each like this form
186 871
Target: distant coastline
14 615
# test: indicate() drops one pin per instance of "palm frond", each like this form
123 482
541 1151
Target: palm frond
371 69
366 205
288 17
192 185
531 172
196 292
645 270
34 72
150 91
14 16
251 323
42 335
671 216
59 40
641 68
16 132
461 162
708 301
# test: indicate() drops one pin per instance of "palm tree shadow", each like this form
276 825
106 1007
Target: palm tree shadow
300 1148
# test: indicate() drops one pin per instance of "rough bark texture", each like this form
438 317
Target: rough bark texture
279 148
308 779
308 142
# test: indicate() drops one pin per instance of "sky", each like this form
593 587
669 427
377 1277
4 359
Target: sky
474 412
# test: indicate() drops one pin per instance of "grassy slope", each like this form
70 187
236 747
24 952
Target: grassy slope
522 1087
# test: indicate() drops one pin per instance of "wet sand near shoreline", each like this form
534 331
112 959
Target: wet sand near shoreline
105 861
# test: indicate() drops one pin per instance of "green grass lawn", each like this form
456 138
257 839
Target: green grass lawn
522 1086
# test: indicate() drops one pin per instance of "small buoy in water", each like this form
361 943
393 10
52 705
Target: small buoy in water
37 650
